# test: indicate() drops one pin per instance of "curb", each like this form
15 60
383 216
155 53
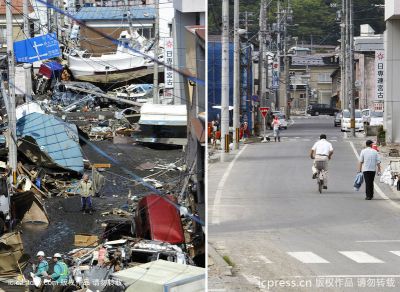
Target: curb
222 266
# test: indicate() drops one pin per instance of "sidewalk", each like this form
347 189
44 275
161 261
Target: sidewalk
359 143
222 276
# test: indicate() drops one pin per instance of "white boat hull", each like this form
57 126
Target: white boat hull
110 68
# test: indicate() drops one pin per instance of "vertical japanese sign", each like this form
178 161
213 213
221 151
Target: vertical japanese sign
275 75
169 60
379 74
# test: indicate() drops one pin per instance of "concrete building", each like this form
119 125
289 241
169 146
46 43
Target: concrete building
112 21
18 20
187 13
392 71
365 47
309 74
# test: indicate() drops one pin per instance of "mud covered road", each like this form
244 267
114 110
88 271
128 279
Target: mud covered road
66 220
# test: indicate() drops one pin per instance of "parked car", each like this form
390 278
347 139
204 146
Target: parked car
376 119
372 118
321 109
346 126
282 120
338 120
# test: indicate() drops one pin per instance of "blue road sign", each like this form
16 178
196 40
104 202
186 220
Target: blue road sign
38 48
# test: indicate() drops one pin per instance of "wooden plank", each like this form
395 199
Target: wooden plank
101 165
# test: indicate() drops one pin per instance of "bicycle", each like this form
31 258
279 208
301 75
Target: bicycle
320 166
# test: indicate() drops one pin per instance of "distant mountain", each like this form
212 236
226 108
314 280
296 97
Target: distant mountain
314 20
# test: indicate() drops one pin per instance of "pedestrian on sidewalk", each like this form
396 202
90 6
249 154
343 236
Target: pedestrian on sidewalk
370 162
86 191
276 125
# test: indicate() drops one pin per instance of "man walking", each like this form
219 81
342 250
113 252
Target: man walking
40 271
86 191
369 163
61 273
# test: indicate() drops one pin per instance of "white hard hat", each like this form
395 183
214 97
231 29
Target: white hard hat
40 253
57 255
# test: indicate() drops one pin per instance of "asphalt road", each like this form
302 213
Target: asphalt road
267 216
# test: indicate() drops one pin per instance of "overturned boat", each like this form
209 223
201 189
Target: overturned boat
129 62
163 124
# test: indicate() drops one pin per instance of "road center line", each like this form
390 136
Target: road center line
215 218
377 188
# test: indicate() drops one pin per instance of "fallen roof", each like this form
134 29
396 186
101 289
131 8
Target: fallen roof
57 141
115 13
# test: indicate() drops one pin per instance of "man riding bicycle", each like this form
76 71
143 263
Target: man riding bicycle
322 151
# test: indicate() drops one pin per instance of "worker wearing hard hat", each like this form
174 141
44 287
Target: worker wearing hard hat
43 265
61 272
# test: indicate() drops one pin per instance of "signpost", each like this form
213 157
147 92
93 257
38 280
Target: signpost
264 111
38 48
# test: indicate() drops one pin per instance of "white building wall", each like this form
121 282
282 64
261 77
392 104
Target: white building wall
392 84
187 13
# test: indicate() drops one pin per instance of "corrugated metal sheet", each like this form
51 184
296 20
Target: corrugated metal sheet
115 13
56 139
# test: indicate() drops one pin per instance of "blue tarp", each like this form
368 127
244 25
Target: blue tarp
214 78
55 138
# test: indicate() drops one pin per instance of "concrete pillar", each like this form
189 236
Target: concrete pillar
28 81
392 84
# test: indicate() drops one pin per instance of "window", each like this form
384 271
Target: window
324 77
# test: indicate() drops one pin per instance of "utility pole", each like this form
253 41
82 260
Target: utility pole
25 12
49 20
343 93
307 89
278 54
286 61
261 56
225 79
12 145
236 75
351 71
156 50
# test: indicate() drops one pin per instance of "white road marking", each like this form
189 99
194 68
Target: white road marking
218 194
308 257
361 257
252 279
265 260
377 188
396 252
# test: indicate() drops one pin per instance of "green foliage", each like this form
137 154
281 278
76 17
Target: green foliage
316 20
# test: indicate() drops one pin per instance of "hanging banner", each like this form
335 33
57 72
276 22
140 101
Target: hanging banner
379 74
169 60
38 48
275 75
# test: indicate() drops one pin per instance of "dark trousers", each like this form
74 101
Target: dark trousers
369 177
86 201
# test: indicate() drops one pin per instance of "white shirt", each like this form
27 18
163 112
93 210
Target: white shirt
322 147
370 158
